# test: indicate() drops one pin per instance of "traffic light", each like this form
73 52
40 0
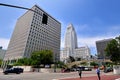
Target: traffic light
44 19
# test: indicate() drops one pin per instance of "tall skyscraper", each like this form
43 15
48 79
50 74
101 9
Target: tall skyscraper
70 39
34 31
71 47
101 45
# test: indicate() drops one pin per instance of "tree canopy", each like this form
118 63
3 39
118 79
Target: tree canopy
37 58
42 57
0 61
71 59
93 63
23 61
113 50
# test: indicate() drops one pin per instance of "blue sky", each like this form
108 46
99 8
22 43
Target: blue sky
92 19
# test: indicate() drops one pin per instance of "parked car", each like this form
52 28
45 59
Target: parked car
108 69
66 70
87 69
73 69
13 70
84 68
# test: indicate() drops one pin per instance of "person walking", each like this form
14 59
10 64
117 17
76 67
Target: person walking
98 73
80 72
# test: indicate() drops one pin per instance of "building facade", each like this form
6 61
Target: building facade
2 53
71 47
101 45
34 31
70 40
82 52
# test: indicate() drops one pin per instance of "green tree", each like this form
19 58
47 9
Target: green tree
74 66
83 63
0 62
23 61
48 57
60 64
93 63
108 64
42 57
113 50
78 59
71 59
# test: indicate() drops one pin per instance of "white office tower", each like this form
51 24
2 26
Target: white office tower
70 43
71 47
70 39
34 31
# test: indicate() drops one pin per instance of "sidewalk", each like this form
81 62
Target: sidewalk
1 70
93 76
103 77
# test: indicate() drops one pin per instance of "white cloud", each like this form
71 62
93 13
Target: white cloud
91 41
4 43
63 27
81 27
114 30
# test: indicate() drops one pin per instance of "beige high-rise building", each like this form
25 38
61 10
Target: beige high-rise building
34 31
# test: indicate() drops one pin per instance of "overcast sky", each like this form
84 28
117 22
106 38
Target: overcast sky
92 19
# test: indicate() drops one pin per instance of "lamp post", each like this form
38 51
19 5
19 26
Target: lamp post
55 63
44 19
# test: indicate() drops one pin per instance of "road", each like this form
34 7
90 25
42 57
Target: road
36 76
47 76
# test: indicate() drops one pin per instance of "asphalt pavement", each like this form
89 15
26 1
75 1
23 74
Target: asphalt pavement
86 75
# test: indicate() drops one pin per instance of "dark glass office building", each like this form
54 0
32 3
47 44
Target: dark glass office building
101 45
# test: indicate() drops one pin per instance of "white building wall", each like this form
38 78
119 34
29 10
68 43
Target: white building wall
19 37
64 54
70 39
82 52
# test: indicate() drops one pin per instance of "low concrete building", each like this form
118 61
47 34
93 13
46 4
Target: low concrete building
82 52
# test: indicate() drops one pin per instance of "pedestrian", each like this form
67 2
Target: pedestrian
98 73
80 72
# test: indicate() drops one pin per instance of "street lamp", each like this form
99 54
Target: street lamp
44 19
55 63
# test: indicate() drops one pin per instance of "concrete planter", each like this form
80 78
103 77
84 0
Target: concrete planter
49 70
43 70
46 70
116 69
